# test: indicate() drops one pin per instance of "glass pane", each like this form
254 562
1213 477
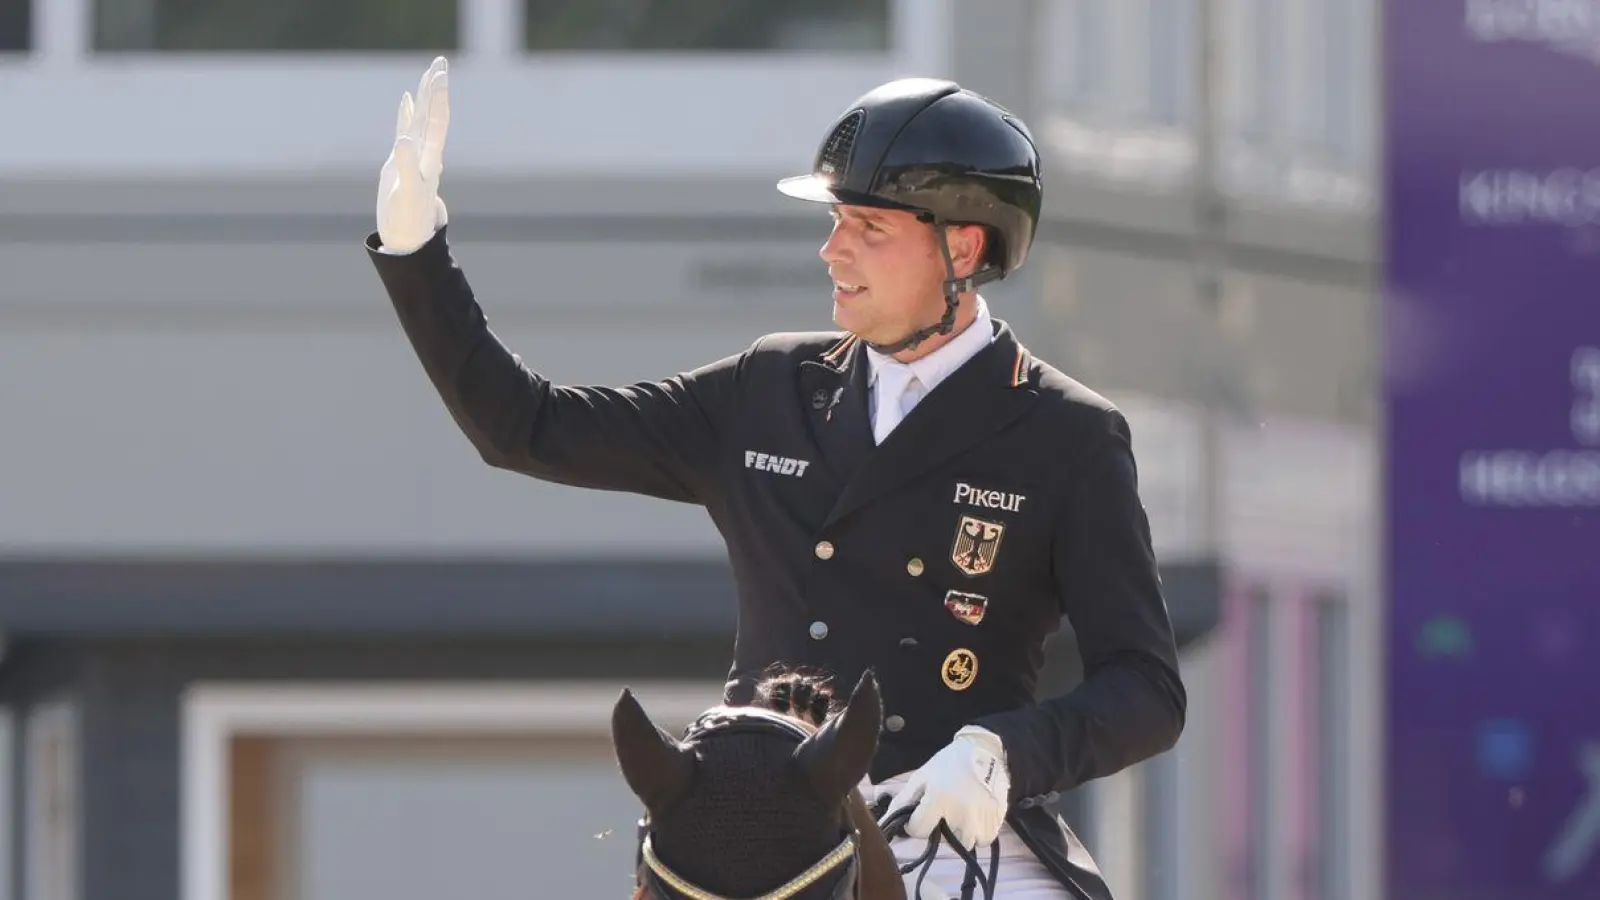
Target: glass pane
1269 69
541 818
16 25
282 25
1072 54
707 25
1173 25
1348 64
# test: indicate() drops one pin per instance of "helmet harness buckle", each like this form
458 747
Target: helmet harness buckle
953 289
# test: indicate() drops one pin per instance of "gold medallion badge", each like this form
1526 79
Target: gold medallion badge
960 669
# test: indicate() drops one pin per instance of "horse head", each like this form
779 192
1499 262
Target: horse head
759 801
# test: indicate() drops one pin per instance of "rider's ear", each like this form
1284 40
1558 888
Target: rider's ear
657 768
838 756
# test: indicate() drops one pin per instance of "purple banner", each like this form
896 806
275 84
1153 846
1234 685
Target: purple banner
1492 319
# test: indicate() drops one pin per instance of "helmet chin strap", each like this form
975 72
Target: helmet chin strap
953 289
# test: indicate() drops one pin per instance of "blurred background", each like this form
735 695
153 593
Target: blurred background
270 630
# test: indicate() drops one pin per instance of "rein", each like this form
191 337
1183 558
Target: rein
893 826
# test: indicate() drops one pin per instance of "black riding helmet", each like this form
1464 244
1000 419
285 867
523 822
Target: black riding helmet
954 157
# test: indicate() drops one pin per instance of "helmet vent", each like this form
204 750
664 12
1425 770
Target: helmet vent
835 155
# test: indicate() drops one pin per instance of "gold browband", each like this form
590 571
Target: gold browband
795 885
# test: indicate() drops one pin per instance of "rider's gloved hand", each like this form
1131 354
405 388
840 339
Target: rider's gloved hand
966 784
410 211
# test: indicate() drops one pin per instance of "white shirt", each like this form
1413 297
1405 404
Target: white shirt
889 406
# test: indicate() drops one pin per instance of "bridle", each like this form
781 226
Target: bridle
657 876
844 854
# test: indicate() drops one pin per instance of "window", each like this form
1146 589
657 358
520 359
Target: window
1118 63
16 26
1299 101
411 791
208 26
707 25
1348 64
1077 78
416 817
1268 72
1174 55
1313 96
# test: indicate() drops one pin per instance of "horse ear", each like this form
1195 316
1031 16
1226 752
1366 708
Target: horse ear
657 768
838 756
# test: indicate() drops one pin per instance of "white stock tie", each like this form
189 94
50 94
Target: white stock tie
898 391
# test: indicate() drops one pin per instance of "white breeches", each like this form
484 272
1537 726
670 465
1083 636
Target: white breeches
1018 876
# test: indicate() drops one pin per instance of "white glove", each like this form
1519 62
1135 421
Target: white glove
410 211
966 784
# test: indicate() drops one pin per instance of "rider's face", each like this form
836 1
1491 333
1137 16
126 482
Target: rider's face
887 272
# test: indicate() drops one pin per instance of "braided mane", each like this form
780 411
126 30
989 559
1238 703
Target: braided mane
799 693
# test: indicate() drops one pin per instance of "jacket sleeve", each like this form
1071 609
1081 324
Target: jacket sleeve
661 439
1131 704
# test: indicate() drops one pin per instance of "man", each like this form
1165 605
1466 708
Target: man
916 494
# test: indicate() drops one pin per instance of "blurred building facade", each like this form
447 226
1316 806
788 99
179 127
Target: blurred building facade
262 603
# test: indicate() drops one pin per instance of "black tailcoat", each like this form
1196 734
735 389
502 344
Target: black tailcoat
942 559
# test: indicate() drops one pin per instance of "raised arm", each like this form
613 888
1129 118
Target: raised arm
660 439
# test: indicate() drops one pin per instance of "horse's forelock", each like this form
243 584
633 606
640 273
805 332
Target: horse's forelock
717 714
798 692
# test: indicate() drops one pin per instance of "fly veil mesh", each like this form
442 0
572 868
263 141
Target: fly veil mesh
751 820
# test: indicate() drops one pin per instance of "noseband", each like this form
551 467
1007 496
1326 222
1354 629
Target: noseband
656 875
844 854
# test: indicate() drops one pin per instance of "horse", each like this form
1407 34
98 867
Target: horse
760 801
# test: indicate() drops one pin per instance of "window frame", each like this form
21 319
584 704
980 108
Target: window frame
213 713
52 799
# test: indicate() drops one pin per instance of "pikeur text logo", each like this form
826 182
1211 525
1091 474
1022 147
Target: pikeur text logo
771 462
988 499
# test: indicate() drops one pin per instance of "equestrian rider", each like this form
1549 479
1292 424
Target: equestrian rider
914 493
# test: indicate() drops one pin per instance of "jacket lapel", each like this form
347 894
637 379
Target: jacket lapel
833 390
987 393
